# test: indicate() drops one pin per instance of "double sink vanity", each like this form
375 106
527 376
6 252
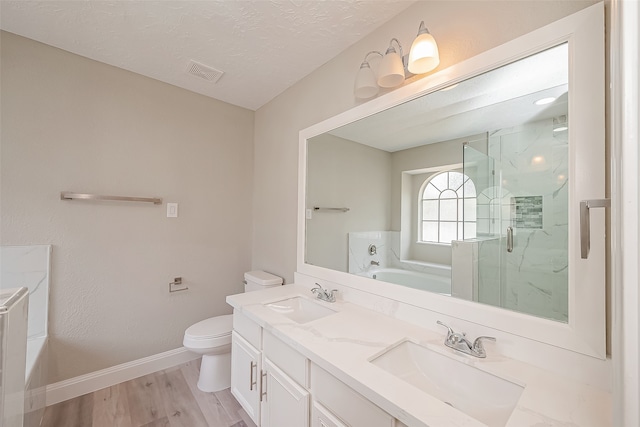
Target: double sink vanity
299 361
520 125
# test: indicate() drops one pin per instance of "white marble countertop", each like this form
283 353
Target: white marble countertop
344 343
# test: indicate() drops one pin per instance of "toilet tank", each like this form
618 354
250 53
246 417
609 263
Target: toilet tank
258 280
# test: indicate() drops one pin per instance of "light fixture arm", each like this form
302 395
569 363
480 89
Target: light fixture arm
423 29
367 56
399 45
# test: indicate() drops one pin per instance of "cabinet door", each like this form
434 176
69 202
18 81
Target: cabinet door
321 417
284 403
245 375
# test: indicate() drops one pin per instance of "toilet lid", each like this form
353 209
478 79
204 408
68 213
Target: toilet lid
210 328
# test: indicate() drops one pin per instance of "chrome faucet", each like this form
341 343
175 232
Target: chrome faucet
375 262
324 294
458 341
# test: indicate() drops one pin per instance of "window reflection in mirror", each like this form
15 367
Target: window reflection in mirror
436 182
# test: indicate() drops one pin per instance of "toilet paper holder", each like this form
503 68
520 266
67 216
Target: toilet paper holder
176 282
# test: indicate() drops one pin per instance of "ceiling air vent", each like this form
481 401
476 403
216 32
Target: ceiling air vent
204 72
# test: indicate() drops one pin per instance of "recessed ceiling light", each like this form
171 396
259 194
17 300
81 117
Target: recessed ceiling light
538 160
544 101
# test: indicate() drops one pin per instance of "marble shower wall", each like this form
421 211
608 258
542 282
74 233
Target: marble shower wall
534 165
28 266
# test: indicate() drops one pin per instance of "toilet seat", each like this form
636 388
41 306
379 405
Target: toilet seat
209 333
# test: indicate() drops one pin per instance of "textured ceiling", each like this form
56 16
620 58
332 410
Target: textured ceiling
263 47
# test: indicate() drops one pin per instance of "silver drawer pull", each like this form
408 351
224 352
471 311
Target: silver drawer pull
252 381
263 386
585 227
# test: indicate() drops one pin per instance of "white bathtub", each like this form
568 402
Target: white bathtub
414 279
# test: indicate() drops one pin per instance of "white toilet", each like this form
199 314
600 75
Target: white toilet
212 338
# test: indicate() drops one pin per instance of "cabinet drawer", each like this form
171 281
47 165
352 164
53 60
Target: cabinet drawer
247 329
345 403
322 417
286 358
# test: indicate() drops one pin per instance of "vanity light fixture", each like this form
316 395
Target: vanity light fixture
422 58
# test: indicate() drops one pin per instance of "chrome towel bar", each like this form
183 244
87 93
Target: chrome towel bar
65 195
317 208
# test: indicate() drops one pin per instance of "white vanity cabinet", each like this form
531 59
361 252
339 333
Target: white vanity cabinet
268 378
285 403
322 417
279 387
246 365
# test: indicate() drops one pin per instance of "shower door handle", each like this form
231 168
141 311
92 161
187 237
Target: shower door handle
509 239
585 223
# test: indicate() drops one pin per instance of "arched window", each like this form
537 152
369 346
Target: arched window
447 208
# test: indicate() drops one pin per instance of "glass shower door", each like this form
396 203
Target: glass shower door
534 159
490 237
522 218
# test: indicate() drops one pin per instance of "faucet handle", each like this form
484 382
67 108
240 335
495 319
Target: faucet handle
477 344
451 332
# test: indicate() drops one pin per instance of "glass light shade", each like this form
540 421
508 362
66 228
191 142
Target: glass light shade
391 71
365 86
424 55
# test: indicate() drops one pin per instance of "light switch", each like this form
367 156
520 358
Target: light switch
309 214
172 210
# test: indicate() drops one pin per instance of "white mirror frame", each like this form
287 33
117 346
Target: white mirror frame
585 332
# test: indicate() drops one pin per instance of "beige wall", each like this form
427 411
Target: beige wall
462 29
70 123
344 173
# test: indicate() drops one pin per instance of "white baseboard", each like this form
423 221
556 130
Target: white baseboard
88 383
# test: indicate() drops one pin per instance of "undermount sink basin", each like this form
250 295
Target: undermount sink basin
479 394
300 309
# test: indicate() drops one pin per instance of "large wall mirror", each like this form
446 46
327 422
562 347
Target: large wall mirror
462 191
469 188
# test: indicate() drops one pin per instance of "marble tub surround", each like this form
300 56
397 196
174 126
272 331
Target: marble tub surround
359 257
387 254
344 343
28 266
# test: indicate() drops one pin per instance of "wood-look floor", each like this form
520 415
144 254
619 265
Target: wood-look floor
166 398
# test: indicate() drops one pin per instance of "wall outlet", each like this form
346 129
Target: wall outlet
172 210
